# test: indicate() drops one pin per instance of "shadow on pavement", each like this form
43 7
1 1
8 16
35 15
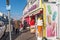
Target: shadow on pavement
31 37
13 34
5 36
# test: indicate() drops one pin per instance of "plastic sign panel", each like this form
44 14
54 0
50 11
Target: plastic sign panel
51 19
8 7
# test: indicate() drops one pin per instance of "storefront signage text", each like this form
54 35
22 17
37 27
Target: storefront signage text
32 8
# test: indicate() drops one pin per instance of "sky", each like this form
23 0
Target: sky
17 7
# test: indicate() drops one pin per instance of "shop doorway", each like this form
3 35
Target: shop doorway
39 25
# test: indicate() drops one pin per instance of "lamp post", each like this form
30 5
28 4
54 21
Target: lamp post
8 9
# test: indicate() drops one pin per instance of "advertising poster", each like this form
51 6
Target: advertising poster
51 19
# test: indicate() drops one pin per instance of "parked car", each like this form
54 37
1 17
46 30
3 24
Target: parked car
2 28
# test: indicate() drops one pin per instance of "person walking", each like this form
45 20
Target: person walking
21 26
25 25
16 27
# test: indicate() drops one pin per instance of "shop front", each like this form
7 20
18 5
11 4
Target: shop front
44 19
32 23
31 18
27 21
50 17
37 22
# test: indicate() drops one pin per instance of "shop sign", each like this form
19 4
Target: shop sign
31 1
33 7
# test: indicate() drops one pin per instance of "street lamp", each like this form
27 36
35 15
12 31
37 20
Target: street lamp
8 9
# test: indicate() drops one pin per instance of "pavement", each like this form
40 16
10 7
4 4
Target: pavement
25 35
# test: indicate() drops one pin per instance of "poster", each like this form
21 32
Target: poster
51 19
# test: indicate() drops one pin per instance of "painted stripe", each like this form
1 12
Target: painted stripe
40 3
44 13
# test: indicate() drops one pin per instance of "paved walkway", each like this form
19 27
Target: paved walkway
20 36
26 36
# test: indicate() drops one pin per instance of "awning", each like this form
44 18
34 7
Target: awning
34 12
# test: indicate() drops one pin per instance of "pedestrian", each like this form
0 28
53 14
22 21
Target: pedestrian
16 27
21 26
13 26
32 25
25 25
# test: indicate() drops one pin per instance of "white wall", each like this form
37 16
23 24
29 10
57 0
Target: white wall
58 21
